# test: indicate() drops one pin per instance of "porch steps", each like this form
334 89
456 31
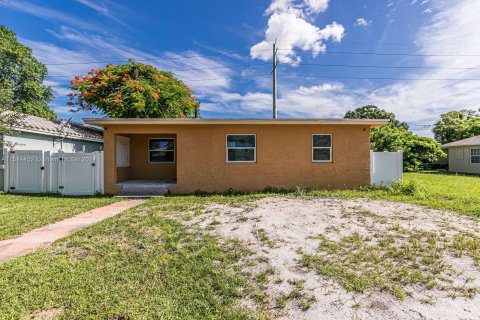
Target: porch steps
137 188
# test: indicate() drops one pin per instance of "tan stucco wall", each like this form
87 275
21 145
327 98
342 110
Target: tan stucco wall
457 163
284 157
123 174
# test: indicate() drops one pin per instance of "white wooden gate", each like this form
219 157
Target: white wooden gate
386 167
65 173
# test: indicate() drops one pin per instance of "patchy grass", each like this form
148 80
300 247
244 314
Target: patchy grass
303 300
459 193
140 264
22 213
262 236
396 260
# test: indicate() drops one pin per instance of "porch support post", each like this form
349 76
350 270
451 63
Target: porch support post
110 164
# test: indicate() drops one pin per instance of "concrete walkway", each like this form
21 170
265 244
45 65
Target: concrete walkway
37 238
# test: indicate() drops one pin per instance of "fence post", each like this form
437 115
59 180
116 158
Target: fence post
400 164
372 166
46 171
102 164
99 171
6 169
60 172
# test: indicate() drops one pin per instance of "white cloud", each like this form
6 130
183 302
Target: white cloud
362 22
320 100
289 25
317 6
428 10
302 8
98 6
56 56
102 7
278 6
50 14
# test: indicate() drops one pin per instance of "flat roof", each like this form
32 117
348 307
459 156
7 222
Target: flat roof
101 122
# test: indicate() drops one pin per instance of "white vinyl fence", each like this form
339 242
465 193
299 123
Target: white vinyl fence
34 171
386 167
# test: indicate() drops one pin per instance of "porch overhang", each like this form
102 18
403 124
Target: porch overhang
102 122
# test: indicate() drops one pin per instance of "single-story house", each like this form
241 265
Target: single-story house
35 133
215 155
464 155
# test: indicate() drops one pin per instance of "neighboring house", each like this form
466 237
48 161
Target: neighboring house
35 133
464 155
241 154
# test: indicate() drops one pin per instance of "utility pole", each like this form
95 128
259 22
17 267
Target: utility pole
274 72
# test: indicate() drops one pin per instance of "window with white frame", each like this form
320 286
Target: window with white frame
474 155
322 148
241 148
161 150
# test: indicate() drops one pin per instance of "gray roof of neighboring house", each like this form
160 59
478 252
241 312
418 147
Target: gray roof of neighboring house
58 128
473 141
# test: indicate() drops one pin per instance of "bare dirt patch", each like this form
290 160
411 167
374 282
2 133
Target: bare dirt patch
332 258
48 314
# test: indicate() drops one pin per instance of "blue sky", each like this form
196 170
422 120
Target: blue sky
222 50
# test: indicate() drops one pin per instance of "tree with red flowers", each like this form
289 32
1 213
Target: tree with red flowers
132 90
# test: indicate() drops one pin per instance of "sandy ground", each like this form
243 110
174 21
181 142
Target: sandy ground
290 224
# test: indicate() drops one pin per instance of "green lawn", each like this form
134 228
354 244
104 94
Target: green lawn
141 264
455 192
22 213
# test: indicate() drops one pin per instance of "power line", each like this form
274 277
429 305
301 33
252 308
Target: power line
181 70
243 52
312 64
387 67
379 78
334 77
153 59
338 77
234 77
387 53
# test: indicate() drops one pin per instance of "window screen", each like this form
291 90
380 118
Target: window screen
322 148
241 148
161 150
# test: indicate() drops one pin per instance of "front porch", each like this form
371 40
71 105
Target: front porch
145 187
145 164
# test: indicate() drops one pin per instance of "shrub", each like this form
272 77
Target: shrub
410 188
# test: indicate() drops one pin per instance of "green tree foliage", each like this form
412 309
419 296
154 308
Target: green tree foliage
132 90
21 79
417 151
457 125
374 112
